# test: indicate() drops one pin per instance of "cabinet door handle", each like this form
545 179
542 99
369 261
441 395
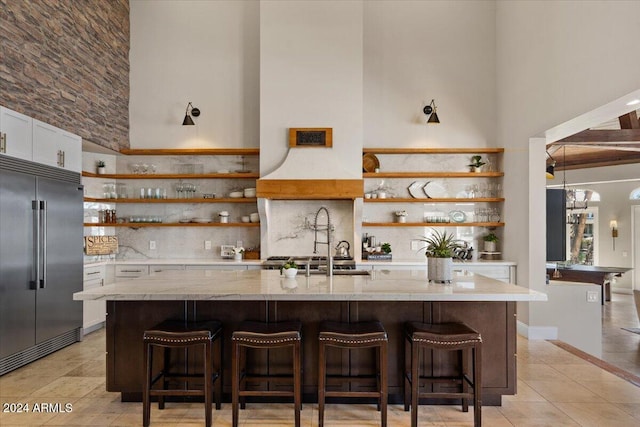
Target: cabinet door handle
131 271
3 142
93 272
62 158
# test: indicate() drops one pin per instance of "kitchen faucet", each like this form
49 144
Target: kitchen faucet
328 242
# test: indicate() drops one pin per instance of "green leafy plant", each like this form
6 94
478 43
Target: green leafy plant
491 237
101 163
476 161
287 265
386 248
440 245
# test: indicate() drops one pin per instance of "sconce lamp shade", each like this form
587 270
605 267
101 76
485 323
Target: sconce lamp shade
195 112
551 171
188 121
430 110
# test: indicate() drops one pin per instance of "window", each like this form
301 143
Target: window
635 194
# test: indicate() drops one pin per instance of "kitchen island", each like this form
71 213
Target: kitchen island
393 297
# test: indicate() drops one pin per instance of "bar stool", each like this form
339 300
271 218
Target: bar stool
353 335
260 335
443 336
182 335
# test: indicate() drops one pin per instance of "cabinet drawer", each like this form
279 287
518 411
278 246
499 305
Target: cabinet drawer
159 268
94 272
92 283
216 267
493 271
131 270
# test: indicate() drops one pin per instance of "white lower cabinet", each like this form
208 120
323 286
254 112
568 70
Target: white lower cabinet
131 270
93 312
160 268
502 272
505 272
216 267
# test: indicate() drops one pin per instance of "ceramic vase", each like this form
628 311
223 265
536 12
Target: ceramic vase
439 269
490 246
290 272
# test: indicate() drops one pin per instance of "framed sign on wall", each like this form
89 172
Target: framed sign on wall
310 137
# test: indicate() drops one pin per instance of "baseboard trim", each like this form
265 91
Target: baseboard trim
537 332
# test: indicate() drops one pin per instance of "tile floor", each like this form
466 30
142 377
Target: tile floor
555 388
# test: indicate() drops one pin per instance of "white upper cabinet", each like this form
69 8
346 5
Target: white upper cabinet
55 147
30 139
15 134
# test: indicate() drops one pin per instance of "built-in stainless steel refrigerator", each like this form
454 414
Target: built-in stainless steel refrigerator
41 216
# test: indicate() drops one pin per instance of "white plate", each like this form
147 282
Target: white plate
416 189
236 194
435 190
457 216
201 220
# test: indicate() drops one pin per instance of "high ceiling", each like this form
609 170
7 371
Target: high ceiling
615 142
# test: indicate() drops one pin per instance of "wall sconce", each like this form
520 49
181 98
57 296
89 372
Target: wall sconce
551 169
430 110
195 112
613 224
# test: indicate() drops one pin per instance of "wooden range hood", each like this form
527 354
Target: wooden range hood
310 189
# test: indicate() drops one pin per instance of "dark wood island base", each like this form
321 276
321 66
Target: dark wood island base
495 320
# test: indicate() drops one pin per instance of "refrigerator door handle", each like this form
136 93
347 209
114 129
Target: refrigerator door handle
43 238
35 272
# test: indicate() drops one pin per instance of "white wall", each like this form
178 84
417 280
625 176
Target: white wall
206 52
417 51
555 61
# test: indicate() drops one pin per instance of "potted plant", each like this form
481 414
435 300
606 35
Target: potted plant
439 251
237 253
490 242
476 163
386 248
100 167
289 268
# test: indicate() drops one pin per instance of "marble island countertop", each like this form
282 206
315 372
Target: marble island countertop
269 285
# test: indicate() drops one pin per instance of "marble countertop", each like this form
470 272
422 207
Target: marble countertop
269 285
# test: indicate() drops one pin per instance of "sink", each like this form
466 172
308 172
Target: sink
342 272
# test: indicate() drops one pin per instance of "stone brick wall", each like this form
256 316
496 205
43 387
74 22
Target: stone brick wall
66 62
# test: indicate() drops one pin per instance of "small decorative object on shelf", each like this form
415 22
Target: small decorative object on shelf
401 216
100 167
237 253
476 163
289 268
490 242
379 253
